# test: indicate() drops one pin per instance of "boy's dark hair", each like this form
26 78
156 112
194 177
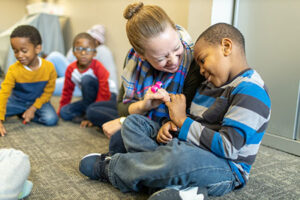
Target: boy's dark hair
86 36
215 33
27 31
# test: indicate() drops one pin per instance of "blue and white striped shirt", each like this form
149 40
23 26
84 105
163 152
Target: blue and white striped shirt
230 121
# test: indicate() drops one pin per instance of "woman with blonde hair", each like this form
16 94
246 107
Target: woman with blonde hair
162 51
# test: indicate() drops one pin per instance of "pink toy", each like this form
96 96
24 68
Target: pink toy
159 84
155 87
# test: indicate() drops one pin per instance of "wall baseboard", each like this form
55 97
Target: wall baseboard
282 143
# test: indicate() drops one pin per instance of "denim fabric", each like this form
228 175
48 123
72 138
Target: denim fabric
177 163
103 111
139 133
116 144
45 115
89 94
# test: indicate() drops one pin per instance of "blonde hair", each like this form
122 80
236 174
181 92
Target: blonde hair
144 22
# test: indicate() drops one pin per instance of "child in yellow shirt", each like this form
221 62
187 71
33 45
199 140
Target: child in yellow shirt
29 82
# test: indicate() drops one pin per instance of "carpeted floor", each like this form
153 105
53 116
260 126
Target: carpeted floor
56 151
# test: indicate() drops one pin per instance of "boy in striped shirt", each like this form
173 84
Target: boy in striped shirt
211 149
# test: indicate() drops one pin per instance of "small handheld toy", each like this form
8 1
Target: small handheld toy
155 87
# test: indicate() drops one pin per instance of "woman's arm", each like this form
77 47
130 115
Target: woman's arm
192 81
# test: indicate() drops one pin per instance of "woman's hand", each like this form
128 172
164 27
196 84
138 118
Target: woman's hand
111 127
164 135
28 115
151 100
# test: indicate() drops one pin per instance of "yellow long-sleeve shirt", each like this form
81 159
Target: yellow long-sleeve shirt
31 86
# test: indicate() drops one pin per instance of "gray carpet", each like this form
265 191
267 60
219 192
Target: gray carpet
56 151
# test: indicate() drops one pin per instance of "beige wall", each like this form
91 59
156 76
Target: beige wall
199 17
84 14
11 11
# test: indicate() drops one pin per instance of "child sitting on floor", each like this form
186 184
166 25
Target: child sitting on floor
89 75
29 82
213 149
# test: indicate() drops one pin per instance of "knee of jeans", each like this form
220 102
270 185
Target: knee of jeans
132 118
88 80
64 114
133 121
51 120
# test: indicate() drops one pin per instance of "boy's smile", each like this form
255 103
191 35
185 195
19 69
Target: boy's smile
213 63
25 52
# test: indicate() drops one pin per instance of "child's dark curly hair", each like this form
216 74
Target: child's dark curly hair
27 31
215 33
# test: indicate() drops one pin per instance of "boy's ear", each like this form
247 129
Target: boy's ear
226 46
38 48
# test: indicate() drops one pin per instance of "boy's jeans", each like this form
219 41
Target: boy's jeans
89 90
154 166
116 144
45 115
103 111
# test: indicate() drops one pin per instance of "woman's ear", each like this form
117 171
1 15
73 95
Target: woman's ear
226 46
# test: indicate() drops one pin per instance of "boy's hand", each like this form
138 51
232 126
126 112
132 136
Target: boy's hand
2 129
164 135
111 127
86 123
28 115
177 109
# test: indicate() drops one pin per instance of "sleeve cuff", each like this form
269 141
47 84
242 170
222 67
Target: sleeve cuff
38 105
185 129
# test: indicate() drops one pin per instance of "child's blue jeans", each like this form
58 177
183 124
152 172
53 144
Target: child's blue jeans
103 111
89 89
154 166
45 115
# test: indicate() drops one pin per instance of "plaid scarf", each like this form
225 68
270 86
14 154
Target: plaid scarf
138 76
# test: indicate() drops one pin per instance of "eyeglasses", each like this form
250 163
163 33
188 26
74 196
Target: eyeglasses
86 50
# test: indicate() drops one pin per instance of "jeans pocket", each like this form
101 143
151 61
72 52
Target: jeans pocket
221 188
